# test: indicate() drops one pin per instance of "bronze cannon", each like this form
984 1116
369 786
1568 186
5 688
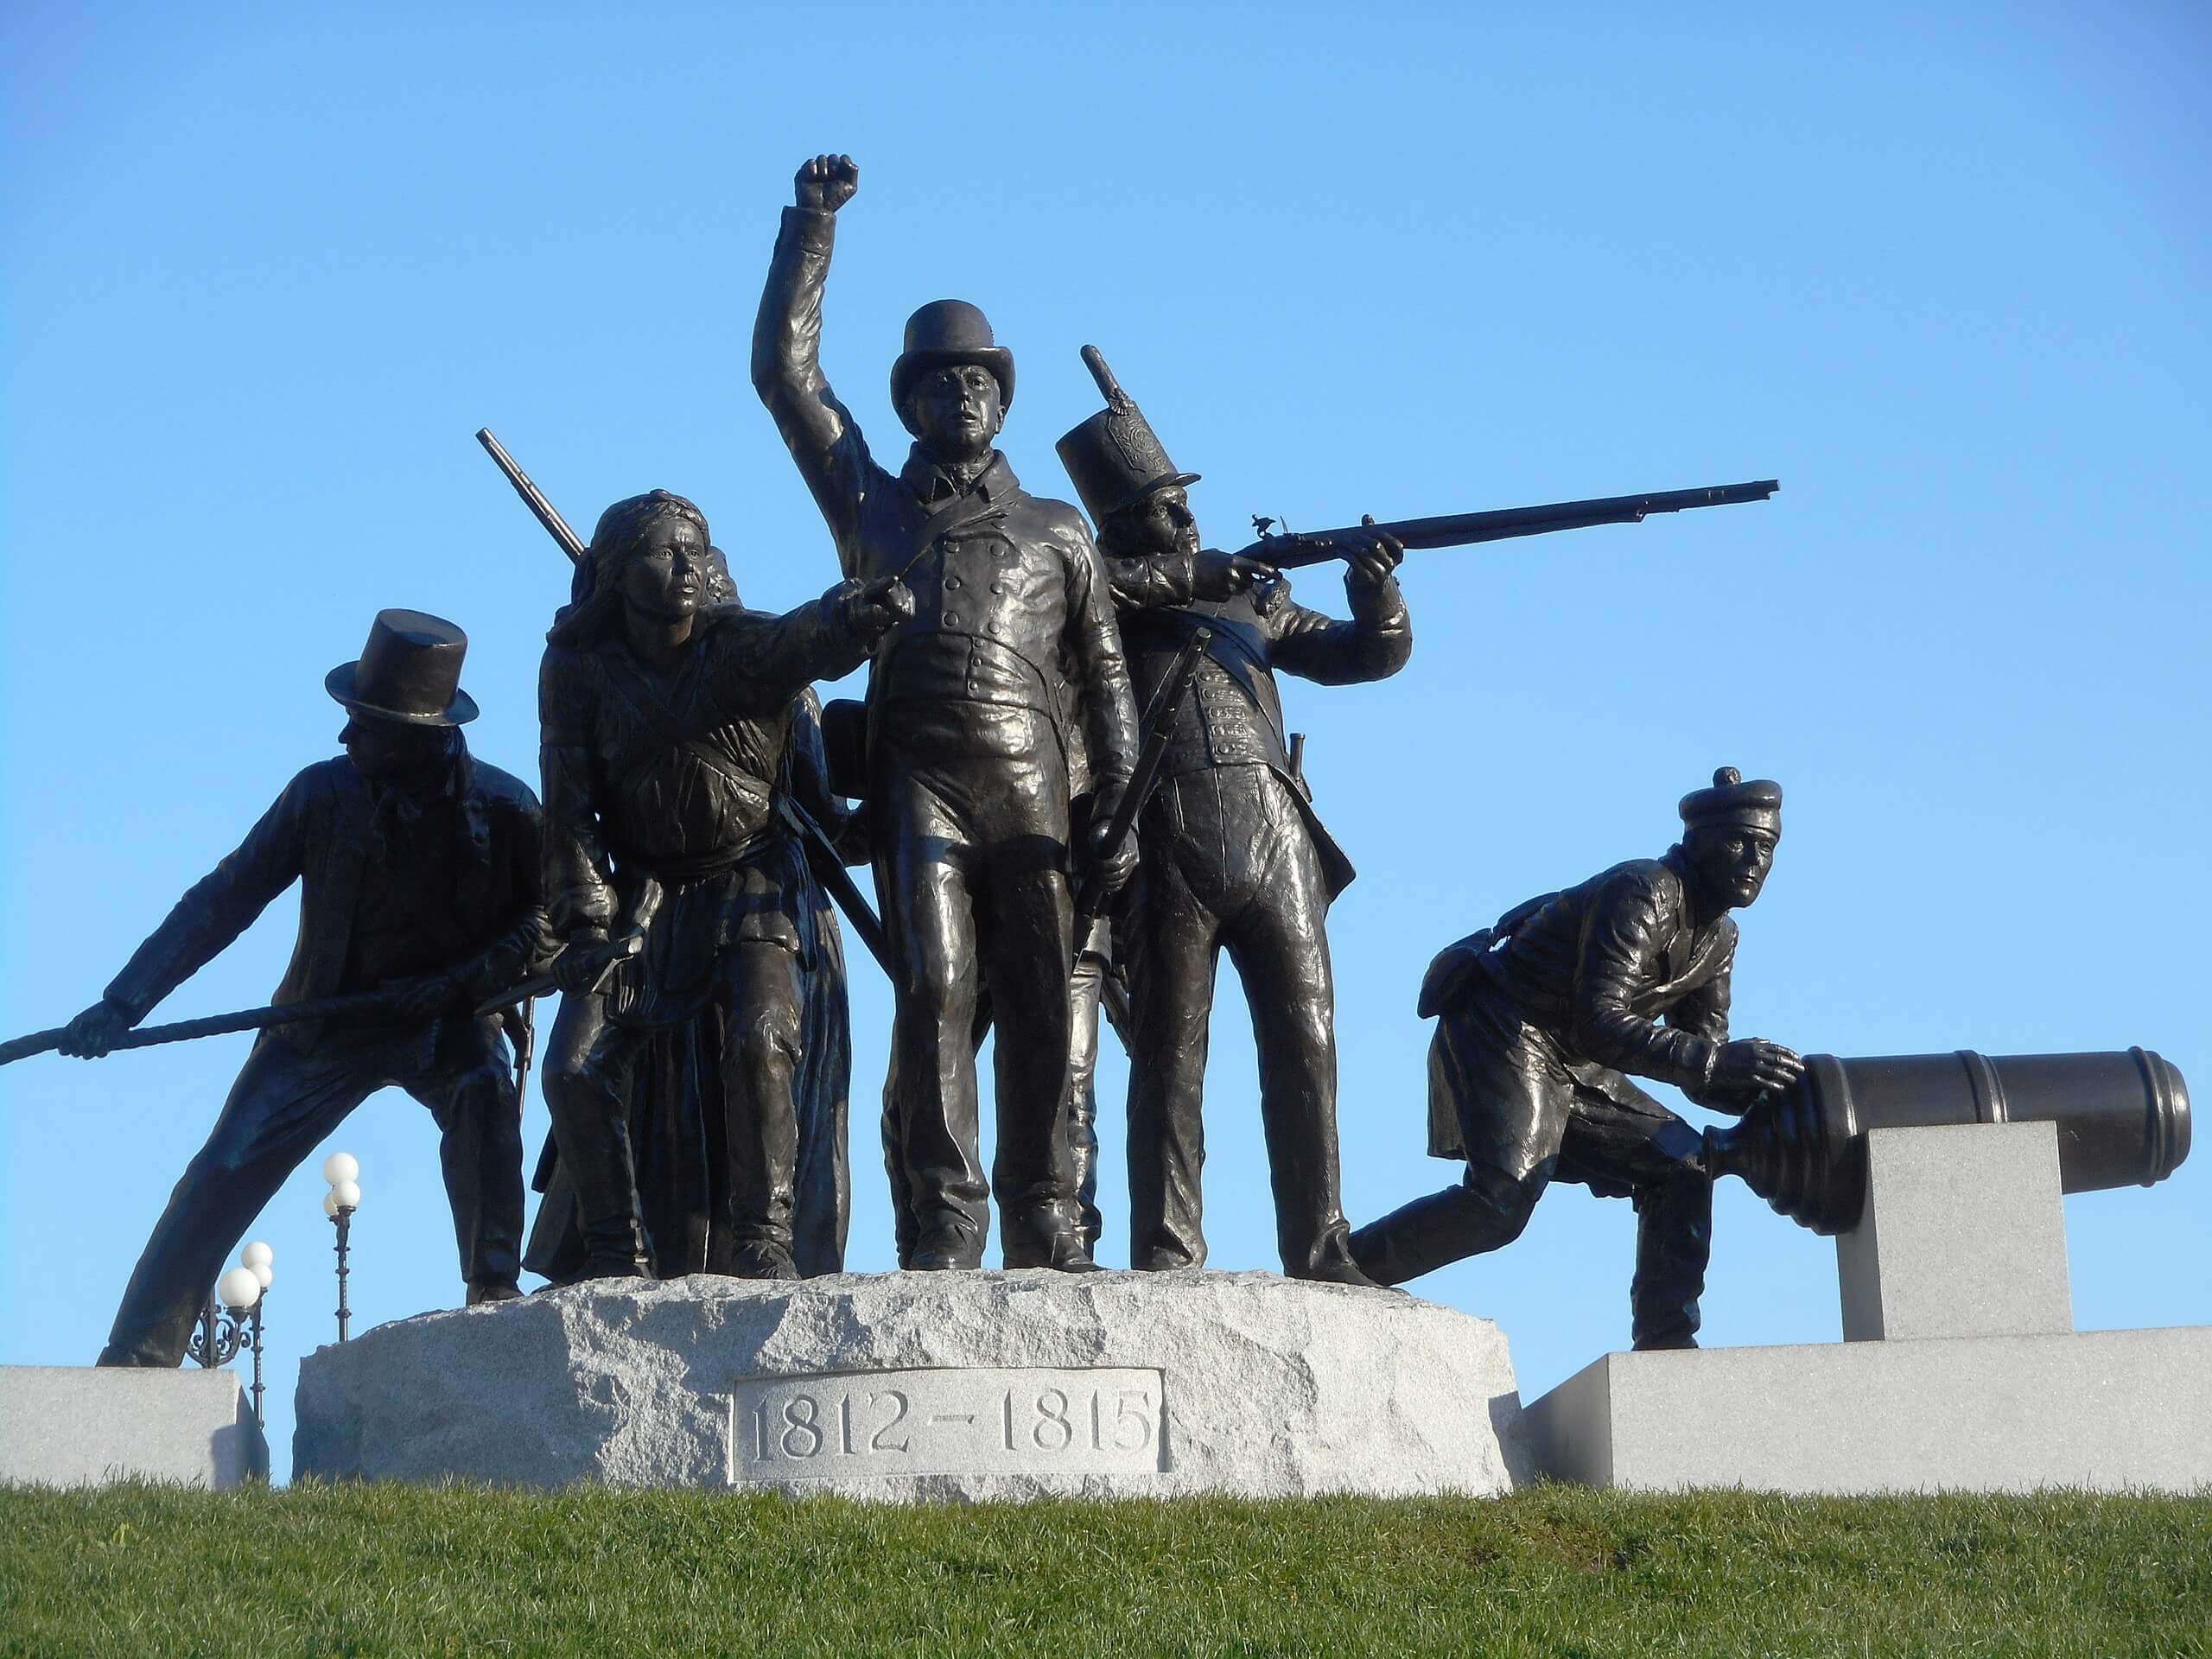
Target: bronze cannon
2122 1119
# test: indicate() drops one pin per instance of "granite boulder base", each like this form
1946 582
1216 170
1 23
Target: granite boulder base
950 1385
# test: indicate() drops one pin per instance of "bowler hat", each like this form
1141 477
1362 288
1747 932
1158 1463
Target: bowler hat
945 331
408 671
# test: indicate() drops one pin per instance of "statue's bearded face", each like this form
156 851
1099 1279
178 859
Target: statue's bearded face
956 412
1731 861
665 575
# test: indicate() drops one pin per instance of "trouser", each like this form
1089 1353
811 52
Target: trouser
1080 1113
970 873
283 1105
1528 1117
1079 1119
1228 862
590 1081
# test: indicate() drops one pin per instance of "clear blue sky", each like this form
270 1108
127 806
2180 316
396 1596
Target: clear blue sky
269 268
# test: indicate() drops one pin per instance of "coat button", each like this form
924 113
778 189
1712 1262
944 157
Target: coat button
993 627
951 619
952 582
998 587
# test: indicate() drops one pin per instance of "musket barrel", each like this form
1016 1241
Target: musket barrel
1467 529
212 1024
2123 1119
532 497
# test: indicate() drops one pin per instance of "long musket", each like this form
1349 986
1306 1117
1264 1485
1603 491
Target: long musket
213 1025
533 497
1292 550
829 870
821 856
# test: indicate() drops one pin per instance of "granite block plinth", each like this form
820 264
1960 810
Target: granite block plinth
1963 1234
2102 1410
939 1385
86 1426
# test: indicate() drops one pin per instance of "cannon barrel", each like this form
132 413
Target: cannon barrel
2122 1119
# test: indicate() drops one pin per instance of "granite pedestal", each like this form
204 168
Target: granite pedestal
937 1385
83 1426
1961 1369
2104 1410
1964 1235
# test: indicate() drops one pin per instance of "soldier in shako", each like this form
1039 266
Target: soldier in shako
1233 856
972 711
419 873
1542 1018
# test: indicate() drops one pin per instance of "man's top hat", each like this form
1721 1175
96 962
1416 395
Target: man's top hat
1732 802
410 672
1113 457
949 331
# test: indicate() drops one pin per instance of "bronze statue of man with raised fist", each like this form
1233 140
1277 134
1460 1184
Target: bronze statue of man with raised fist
971 722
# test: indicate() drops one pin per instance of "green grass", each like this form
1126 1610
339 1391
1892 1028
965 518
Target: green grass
1555 1570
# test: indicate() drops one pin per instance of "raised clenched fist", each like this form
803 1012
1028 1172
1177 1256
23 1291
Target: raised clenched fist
826 183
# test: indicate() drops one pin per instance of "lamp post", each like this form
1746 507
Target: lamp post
239 1292
343 1171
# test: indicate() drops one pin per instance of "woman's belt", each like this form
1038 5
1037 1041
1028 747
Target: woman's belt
674 872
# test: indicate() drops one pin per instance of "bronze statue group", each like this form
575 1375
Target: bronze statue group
674 887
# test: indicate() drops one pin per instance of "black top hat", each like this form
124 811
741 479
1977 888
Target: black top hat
409 670
949 331
1115 458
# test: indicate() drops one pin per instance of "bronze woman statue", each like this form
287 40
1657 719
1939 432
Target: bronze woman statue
670 724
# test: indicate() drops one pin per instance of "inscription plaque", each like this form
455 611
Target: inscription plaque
945 1422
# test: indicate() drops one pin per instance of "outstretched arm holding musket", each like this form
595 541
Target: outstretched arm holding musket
419 867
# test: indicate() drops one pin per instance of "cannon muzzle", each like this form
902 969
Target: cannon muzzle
2123 1119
